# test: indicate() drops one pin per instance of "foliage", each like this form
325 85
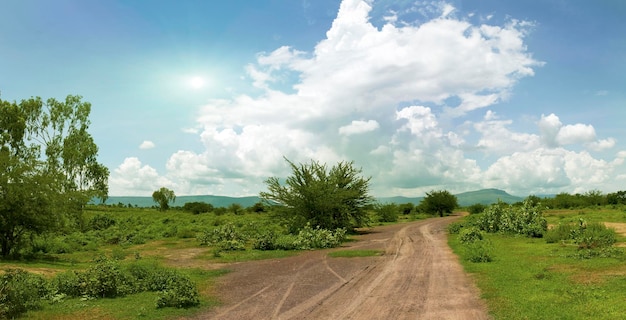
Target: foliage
163 197
526 219
406 208
387 212
49 167
439 202
476 208
20 291
470 234
101 222
479 251
313 194
198 207
587 236
226 237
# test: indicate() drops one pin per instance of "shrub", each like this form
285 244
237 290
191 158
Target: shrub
387 212
101 222
470 234
455 227
179 292
561 232
479 251
69 283
265 241
105 279
20 291
593 236
225 237
476 208
526 219
309 238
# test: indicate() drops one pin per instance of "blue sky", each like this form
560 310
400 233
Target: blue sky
207 97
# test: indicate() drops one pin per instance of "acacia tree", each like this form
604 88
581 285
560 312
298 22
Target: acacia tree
163 197
439 202
48 167
329 199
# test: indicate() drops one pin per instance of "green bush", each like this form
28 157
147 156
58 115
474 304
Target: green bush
69 283
471 234
101 222
526 219
226 237
387 212
476 208
105 279
309 238
179 292
479 251
455 227
561 232
20 291
265 241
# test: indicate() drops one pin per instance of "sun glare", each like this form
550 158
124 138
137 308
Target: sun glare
196 82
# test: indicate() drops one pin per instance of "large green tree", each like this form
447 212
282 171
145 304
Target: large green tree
439 202
328 198
163 197
48 167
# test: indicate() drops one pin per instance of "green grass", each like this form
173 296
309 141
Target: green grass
530 279
354 253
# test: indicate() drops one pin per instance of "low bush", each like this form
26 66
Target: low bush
526 219
470 234
387 212
479 251
20 291
226 237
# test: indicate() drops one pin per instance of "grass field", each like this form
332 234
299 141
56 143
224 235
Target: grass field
531 279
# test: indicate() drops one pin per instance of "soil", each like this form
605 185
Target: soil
417 277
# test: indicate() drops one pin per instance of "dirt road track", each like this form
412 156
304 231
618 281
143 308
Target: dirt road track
418 277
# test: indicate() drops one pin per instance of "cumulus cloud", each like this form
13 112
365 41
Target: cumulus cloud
358 126
147 144
410 85
132 178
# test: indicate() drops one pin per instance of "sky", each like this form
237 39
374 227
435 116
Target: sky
211 97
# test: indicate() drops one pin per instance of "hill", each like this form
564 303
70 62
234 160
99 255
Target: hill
485 196
216 201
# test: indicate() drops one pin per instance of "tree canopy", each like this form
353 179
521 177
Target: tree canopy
163 197
326 198
49 168
439 202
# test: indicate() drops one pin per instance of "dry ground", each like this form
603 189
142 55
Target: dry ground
418 277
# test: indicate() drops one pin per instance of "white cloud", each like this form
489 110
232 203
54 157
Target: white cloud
147 145
132 178
358 127
411 85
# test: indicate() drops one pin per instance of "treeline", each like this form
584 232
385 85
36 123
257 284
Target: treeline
591 198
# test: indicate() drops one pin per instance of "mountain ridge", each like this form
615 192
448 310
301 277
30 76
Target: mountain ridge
483 196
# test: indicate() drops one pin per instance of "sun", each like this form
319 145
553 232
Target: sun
196 82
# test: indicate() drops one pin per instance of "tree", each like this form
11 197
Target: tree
439 202
48 167
163 197
313 194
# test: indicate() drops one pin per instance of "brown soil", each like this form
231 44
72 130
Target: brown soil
418 277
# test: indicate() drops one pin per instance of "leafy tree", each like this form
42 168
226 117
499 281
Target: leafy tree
618 197
235 208
313 194
48 167
439 202
197 207
407 208
163 197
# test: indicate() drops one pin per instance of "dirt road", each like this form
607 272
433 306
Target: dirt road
418 277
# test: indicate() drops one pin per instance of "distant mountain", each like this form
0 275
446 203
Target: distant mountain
216 201
484 196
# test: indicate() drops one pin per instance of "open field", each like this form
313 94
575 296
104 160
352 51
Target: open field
531 279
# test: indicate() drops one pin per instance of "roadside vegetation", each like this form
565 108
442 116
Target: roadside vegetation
561 262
